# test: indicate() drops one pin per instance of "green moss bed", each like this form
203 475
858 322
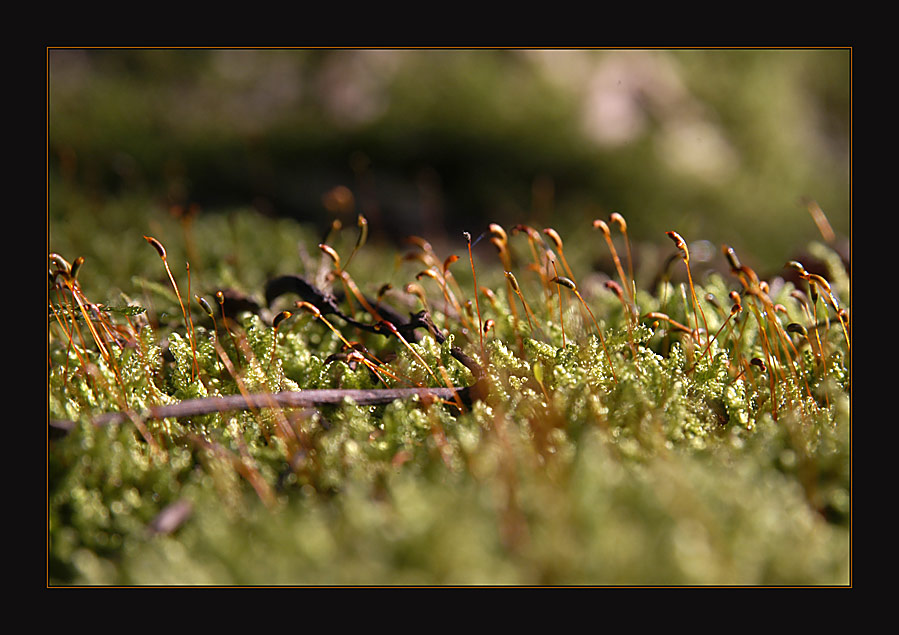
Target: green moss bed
237 401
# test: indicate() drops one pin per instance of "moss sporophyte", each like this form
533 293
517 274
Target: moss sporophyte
318 382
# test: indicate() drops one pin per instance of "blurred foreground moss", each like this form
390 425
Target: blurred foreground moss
679 520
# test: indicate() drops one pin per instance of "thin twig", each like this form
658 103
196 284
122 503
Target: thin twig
285 399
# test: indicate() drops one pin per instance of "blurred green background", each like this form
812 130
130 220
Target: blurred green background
721 145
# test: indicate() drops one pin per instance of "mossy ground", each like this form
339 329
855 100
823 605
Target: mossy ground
605 452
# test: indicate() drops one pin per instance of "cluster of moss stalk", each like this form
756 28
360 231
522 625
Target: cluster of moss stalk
495 421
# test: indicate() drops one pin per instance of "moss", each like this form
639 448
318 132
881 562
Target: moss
647 456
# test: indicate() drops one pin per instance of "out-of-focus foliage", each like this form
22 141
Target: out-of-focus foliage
721 143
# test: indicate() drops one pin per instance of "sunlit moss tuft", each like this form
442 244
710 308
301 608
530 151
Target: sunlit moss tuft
639 453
